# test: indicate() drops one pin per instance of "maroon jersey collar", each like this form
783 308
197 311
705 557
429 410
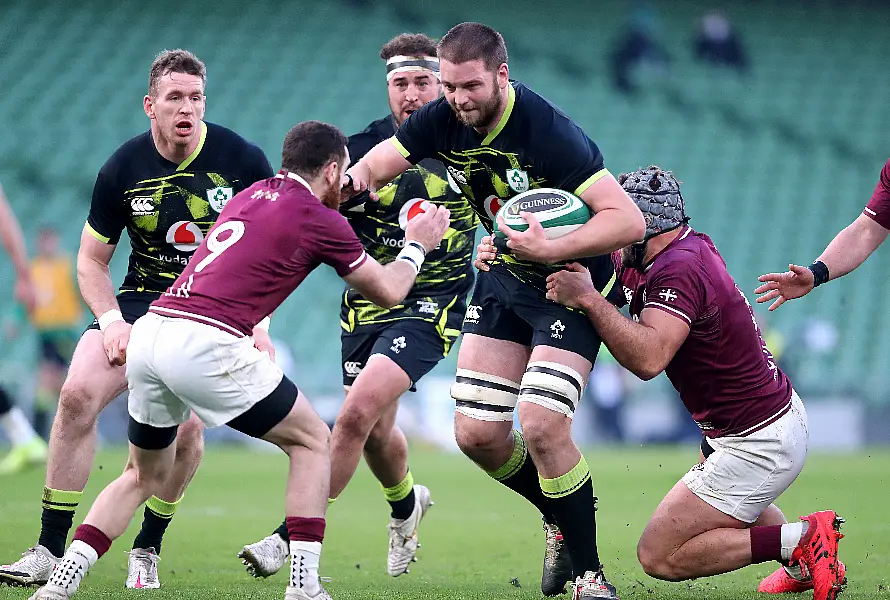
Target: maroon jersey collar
682 236
284 173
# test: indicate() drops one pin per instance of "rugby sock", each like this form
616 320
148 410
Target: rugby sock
520 475
766 543
88 547
57 518
573 504
401 497
792 533
282 529
306 536
158 514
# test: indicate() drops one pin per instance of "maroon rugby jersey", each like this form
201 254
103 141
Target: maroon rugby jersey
267 239
726 377
878 208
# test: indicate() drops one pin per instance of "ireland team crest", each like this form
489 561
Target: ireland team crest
517 179
218 197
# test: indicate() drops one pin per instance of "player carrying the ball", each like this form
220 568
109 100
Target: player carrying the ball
498 138
387 350
690 320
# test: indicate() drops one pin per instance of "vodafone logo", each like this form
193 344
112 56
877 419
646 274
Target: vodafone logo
492 205
411 209
185 236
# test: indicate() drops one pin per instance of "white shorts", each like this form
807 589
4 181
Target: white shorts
744 475
175 366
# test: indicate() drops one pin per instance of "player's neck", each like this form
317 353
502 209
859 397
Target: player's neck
655 245
505 98
175 153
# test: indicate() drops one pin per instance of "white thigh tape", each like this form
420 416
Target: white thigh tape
552 385
484 397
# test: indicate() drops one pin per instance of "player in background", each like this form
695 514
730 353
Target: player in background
846 252
387 351
690 320
498 138
196 340
166 187
27 447
57 317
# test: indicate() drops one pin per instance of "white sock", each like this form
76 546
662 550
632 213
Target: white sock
17 427
304 566
791 534
70 571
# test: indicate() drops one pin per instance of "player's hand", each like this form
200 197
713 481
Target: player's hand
356 180
797 281
429 227
571 286
531 244
26 292
485 253
263 343
117 337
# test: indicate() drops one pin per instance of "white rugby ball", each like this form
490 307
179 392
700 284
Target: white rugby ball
558 211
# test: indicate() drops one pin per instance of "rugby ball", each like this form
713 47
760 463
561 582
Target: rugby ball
558 211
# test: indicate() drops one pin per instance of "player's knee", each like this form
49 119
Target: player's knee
541 437
78 406
190 440
148 477
477 439
656 561
356 419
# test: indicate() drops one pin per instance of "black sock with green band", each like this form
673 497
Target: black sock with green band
158 514
520 475
57 519
573 504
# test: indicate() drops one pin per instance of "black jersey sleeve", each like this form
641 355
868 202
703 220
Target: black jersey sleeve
574 162
420 136
108 215
255 164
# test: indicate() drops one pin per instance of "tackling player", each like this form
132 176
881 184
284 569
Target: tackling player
193 350
846 252
166 187
387 351
690 320
498 138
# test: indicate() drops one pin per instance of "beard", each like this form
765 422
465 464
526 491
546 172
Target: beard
632 256
485 112
331 197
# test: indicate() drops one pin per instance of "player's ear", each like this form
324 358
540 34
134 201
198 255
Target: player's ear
503 75
148 105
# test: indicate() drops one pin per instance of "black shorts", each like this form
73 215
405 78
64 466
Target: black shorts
504 308
57 347
133 305
416 345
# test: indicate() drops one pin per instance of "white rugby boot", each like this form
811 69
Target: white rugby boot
33 568
142 569
265 557
403 534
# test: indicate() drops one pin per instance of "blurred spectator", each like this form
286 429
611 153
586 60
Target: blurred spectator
718 43
638 47
57 318
606 388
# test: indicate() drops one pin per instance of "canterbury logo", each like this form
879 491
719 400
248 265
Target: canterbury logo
142 205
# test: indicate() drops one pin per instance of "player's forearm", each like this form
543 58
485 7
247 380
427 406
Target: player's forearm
398 280
13 240
607 231
94 280
852 246
630 343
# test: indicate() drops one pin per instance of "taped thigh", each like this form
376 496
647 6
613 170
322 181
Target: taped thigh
484 397
552 385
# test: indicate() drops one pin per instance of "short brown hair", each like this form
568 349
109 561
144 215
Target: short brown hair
175 61
409 44
473 41
310 146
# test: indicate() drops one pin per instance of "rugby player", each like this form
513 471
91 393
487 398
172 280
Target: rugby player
166 187
193 350
498 138
387 351
846 252
690 320
27 447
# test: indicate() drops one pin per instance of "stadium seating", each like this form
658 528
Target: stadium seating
774 162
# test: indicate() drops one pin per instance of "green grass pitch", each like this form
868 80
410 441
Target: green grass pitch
476 539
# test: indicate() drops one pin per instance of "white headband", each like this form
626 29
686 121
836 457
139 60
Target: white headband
401 64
